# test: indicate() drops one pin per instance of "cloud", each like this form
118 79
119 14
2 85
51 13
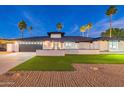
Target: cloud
104 24
96 30
119 23
38 26
75 29
31 19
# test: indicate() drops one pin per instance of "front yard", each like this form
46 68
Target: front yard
64 63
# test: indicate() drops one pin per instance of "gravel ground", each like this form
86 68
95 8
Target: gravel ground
86 75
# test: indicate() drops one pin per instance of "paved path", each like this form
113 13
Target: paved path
8 61
86 75
113 52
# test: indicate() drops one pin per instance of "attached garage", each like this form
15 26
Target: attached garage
2 47
29 47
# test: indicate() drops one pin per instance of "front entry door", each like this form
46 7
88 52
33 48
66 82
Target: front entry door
56 45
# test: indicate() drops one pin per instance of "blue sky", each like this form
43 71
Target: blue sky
44 19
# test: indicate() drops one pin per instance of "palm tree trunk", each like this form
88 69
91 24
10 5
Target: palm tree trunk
21 34
82 34
87 34
110 25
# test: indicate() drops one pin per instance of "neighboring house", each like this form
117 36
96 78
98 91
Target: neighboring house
58 41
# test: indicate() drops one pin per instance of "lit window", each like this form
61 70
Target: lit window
66 44
113 44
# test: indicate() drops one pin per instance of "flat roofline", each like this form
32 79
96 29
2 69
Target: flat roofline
49 33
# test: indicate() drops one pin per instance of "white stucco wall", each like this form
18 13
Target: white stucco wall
84 45
10 47
16 46
50 52
87 51
63 52
55 36
95 45
73 45
13 47
103 45
121 45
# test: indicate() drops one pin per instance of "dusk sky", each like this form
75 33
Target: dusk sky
44 19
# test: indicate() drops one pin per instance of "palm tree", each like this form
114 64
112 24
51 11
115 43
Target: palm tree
59 26
111 11
30 28
89 26
83 29
22 26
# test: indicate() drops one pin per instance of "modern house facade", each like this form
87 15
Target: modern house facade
58 41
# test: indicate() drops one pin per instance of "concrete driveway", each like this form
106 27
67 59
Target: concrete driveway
8 61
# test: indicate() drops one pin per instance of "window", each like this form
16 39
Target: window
70 45
37 42
40 42
113 44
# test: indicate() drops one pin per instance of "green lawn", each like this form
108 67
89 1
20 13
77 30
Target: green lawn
64 63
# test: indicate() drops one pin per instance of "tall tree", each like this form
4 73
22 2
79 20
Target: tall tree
22 26
89 26
116 32
59 26
83 30
111 11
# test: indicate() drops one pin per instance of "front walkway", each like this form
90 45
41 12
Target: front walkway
86 75
8 61
113 52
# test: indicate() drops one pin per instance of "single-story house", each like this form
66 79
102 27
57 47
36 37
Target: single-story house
58 41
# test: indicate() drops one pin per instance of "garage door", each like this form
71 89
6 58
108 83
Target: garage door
29 47
2 47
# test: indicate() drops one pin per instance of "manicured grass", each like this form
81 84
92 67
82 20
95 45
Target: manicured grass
64 63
